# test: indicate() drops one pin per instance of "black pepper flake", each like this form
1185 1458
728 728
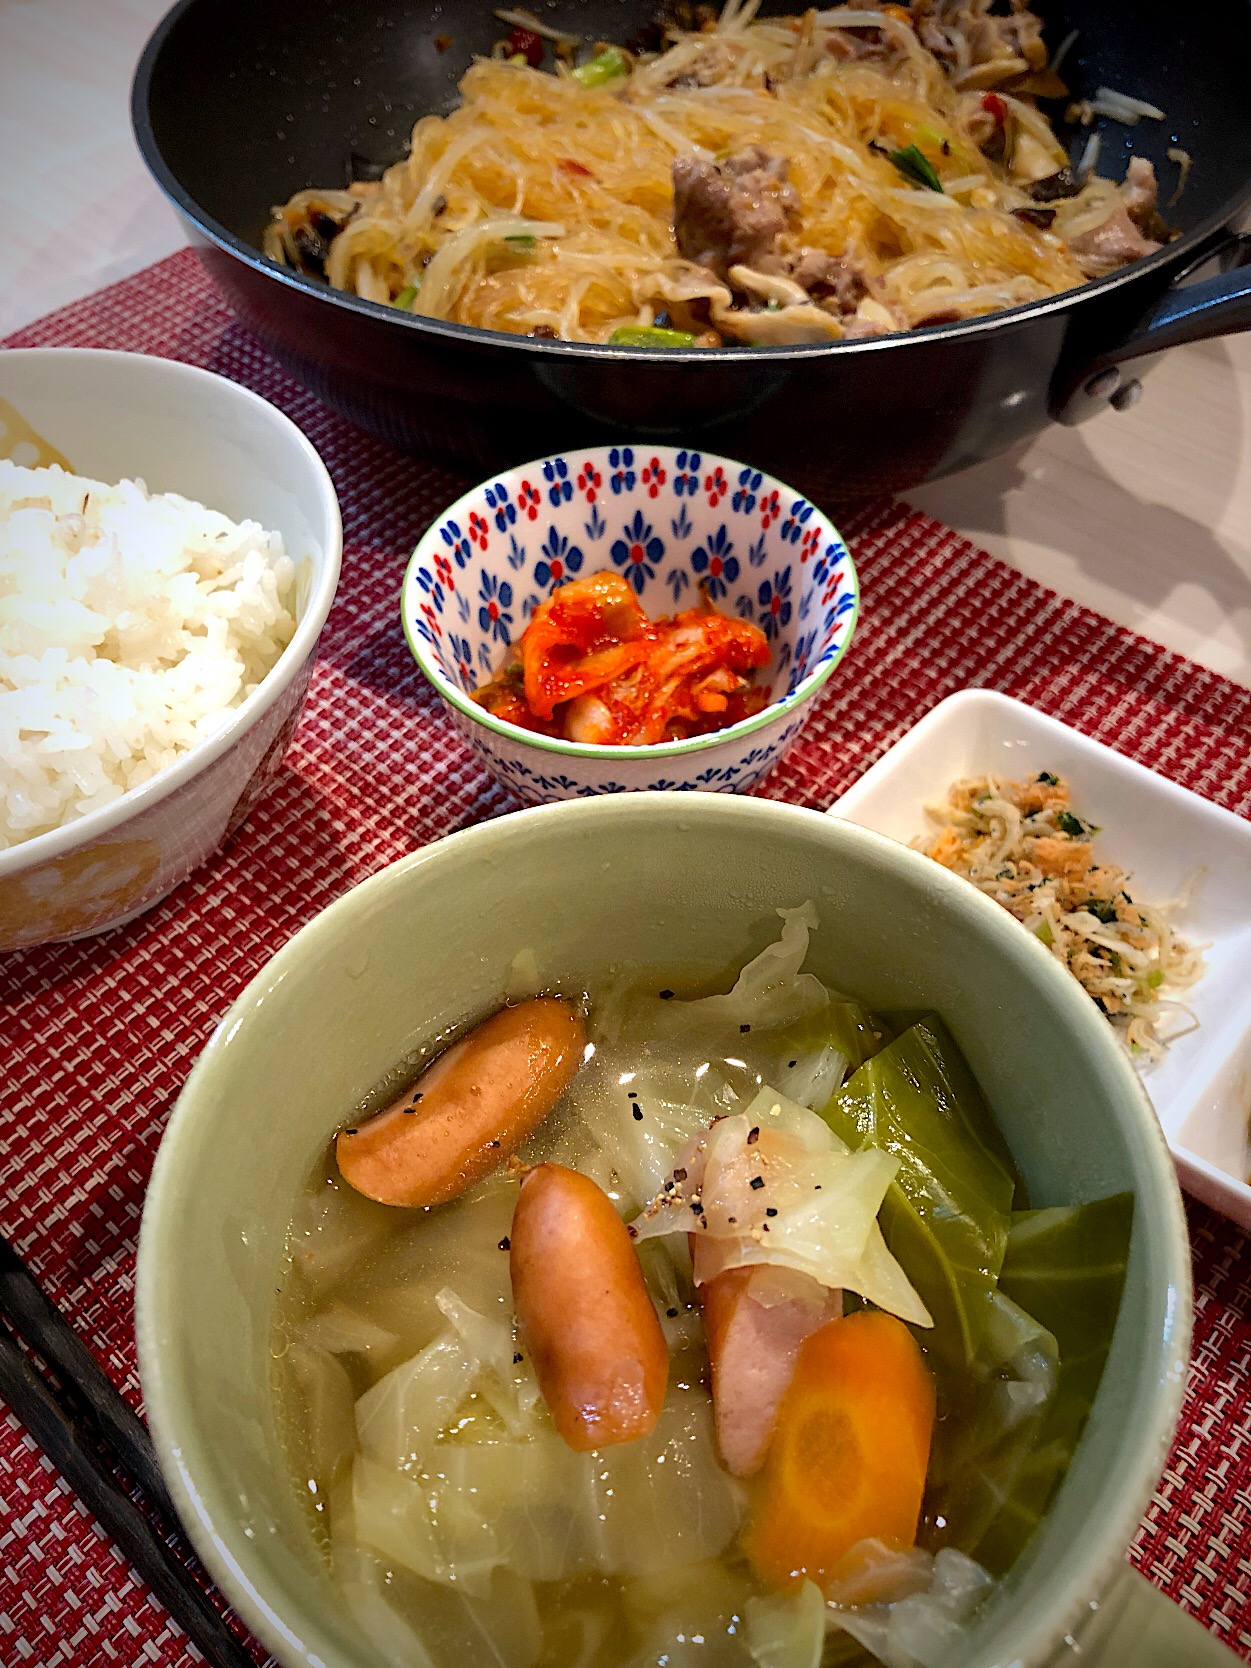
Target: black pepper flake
816 1187
632 1230
349 1132
672 1314
517 1356
764 1227
505 1243
753 1135
732 1220
638 1114
792 1064
666 996
696 1206
770 1210
744 1029
410 1111
679 1174
632 1094
417 1097
757 1181
492 1143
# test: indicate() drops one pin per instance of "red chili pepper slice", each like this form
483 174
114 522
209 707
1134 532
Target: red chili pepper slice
524 43
994 106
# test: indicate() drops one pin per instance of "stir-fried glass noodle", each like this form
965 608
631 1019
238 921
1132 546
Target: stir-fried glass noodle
1020 843
845 173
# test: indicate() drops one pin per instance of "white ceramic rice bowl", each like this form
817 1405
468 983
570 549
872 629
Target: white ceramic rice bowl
117 416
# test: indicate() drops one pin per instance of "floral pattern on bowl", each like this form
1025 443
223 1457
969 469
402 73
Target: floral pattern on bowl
677 524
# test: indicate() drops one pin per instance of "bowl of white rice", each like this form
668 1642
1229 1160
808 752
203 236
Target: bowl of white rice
169 551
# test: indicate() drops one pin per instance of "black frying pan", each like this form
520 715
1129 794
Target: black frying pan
237 103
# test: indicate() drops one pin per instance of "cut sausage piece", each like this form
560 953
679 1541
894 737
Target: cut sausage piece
584 1311
755 1320
468 1111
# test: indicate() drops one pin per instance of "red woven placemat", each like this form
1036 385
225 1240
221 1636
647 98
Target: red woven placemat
97 1037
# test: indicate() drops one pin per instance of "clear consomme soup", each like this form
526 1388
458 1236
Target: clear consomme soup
457 1524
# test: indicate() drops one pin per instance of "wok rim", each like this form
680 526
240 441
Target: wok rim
452 334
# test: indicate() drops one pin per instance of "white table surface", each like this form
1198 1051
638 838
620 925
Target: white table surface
1145 516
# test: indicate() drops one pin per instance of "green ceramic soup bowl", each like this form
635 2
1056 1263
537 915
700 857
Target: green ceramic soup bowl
687 885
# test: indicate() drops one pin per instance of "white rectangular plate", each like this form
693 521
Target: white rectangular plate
1161 835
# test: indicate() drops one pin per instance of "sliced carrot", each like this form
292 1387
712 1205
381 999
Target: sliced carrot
849 1451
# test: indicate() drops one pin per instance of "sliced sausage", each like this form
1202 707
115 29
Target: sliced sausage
755 1320
469 1110
584 1311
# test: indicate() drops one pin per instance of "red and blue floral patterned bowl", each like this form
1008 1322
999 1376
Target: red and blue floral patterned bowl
674 522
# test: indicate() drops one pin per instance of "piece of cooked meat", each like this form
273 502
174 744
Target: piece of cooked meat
733 213
980 48
755 1320
1112 244
852 46
832 282
1141 193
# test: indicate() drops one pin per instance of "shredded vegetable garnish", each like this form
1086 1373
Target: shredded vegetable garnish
1185 162
1023 845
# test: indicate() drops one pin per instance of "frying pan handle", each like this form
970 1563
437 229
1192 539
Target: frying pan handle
1189 311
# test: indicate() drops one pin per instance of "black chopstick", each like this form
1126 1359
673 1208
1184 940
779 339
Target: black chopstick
44 1329
89 1433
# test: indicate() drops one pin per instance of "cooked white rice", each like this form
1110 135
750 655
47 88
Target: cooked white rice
131 624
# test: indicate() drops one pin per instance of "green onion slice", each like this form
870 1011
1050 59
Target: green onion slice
914 165
608 66
1067 823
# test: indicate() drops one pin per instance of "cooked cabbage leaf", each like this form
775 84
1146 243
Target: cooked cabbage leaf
546 1513
999 1460
993 1427
322 1412
812 1077
768 994
400 1418
1024 1303
946 1216
774 1186
339 1330
455 1246
845 1025
690 1617
923 1629
415 1623
787 1630
1067 1265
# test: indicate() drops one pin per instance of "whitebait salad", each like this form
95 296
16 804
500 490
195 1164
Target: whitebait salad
1023 845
